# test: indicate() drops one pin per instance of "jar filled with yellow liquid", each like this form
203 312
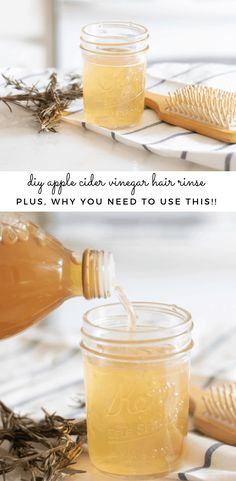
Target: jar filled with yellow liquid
114 56
137 387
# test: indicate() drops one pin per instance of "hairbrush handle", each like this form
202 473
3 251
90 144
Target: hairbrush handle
195 398
155 101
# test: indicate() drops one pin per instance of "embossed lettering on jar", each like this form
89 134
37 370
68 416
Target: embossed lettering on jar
114 73
137 387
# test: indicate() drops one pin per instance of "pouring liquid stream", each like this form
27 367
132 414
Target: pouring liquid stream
127 307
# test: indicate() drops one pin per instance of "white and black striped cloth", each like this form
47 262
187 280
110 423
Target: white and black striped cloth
42 367
162 139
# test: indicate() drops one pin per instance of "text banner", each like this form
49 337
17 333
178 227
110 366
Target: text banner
108 191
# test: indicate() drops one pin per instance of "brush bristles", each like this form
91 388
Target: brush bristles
204 104
220 403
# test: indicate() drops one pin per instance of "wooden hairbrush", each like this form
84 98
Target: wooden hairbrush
214 411
202 109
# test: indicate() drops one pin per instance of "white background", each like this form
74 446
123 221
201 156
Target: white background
39 33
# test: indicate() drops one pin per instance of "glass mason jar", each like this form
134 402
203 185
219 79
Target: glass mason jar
137 387
114 56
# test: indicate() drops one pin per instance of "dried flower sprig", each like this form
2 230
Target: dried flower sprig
43 450
47 104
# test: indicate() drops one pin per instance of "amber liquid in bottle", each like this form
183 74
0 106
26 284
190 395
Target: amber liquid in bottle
37 274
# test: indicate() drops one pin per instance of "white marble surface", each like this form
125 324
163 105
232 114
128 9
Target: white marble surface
73 148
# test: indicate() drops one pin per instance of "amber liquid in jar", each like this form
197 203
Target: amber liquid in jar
113 91
137 395
137 421
114 55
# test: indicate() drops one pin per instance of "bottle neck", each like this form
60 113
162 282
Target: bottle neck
98 273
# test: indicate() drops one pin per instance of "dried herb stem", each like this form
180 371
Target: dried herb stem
44 450
48 104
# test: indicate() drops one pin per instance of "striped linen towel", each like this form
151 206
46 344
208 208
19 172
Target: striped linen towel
43 367
151 134
166 140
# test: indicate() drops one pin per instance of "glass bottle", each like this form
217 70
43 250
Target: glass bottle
37 274
114 55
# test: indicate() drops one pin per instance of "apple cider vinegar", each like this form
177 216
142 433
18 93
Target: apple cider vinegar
137 387
114 73
113 93
37 274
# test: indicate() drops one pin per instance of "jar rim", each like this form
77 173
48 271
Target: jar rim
184 325
142 35
131 39
160 337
